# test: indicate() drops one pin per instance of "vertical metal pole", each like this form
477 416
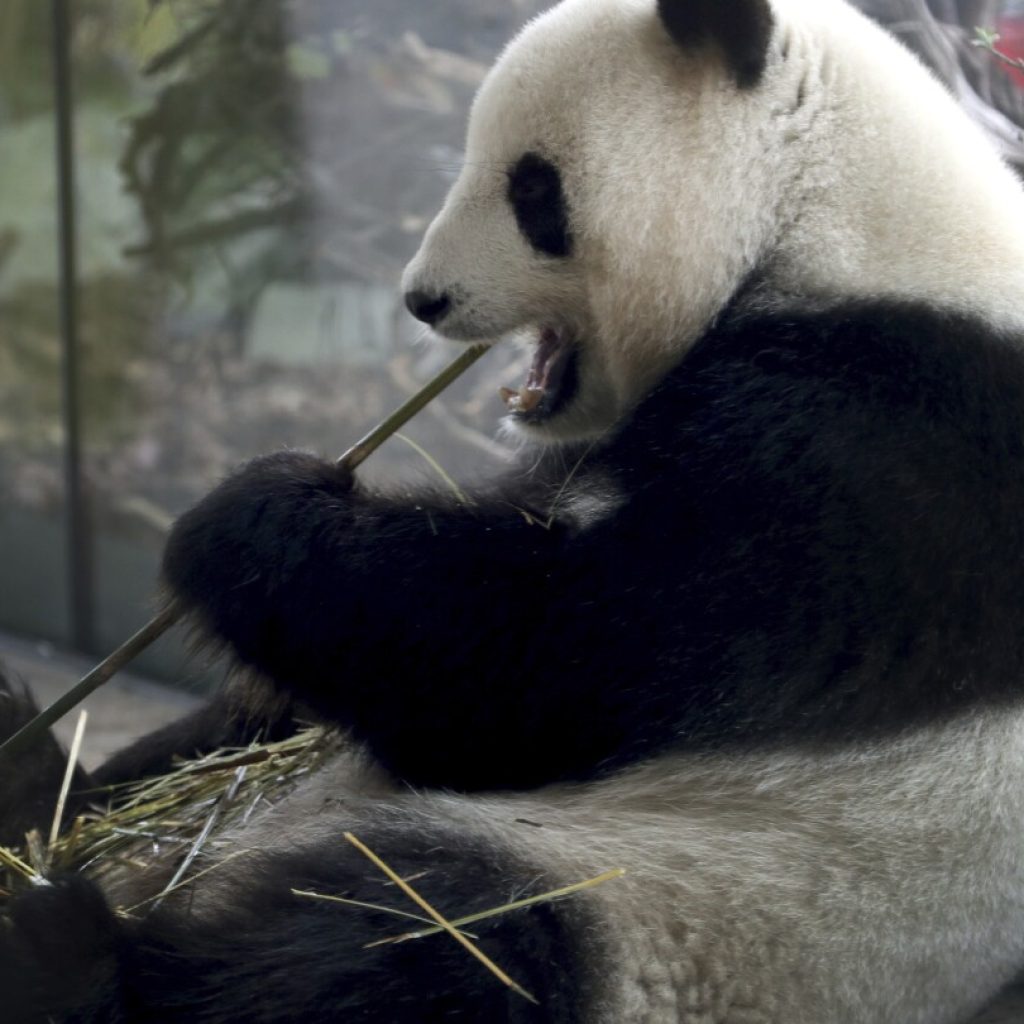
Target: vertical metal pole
79 539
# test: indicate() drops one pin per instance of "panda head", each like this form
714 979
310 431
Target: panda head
631 164
564 224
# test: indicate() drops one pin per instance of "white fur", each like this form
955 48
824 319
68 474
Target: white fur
882 885
680 185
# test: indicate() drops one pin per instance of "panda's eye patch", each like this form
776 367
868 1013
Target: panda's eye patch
538 200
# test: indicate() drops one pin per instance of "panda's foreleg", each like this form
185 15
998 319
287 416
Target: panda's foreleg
462 642
247 949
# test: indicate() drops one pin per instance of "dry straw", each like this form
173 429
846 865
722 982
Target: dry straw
169 820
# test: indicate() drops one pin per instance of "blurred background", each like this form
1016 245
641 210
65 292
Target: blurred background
205 206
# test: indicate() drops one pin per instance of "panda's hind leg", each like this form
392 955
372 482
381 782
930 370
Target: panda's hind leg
231 718
242 946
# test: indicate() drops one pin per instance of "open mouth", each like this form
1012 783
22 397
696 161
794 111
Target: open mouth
552 379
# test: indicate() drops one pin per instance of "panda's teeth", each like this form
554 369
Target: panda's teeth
524 400
544 376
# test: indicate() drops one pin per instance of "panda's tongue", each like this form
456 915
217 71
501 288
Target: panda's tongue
544 375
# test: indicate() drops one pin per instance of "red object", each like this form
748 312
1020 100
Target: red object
1011 43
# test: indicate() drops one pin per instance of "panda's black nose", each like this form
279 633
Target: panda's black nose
426 307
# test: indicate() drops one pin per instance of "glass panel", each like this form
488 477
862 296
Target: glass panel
253 175
33 551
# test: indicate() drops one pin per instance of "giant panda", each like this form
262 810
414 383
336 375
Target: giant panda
744 619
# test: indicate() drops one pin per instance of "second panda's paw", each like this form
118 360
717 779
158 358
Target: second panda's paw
229 560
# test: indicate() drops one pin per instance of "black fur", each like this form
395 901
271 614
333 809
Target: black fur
742 29
818 537
538 199
30 783
61 957
426 306
267 956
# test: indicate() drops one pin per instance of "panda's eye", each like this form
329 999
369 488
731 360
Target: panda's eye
530 184
538 200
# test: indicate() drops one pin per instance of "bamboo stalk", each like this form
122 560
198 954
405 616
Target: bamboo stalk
163 620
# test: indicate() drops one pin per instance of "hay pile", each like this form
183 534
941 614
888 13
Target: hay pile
168 820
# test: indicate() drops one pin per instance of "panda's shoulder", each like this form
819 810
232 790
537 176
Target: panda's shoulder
902 360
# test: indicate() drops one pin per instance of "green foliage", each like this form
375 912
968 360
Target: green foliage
987 39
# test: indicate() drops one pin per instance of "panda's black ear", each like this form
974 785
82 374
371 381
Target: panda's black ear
741 28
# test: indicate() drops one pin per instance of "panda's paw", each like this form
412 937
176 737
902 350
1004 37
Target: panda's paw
59 955
229 559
